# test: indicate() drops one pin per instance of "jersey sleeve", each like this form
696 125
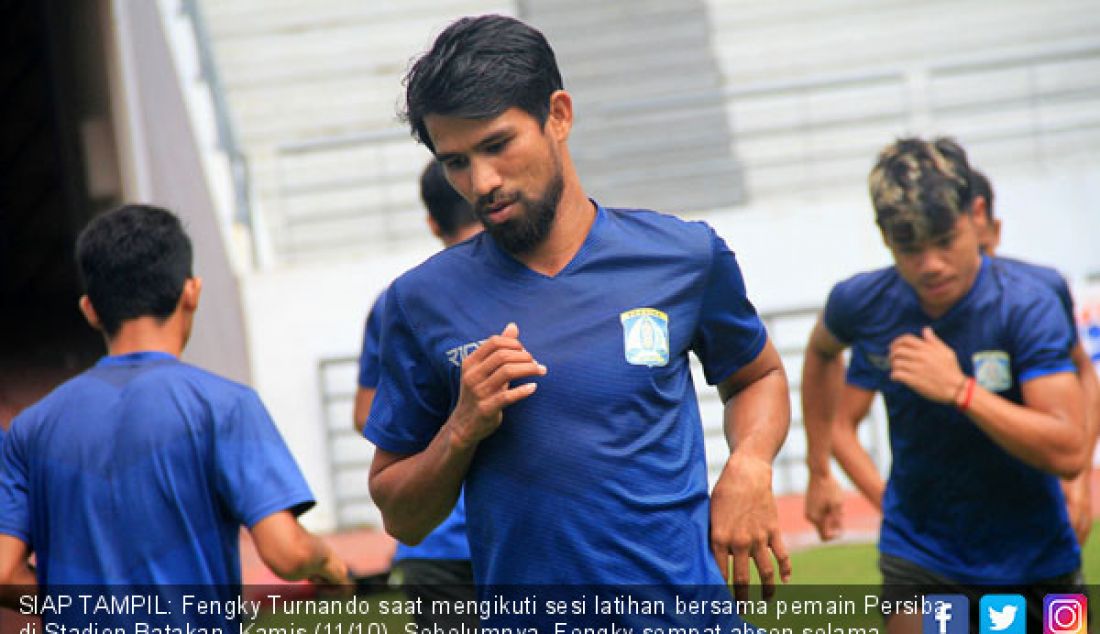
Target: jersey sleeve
15 511
729 333
1065 298
256 473
412 401
370 357
1041 337
861 373
839 316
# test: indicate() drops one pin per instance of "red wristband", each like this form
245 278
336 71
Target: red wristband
964 403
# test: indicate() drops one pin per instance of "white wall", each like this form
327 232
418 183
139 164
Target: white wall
793 251
296 317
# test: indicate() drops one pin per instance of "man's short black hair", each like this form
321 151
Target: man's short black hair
479 67
449 210
980 186
133 263
919 189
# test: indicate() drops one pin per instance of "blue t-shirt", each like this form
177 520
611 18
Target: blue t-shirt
600 476
955 502
861 373
448 540
141 471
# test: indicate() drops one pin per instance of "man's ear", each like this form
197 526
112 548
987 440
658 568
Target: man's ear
88 310
436 230
979 211
560 118
189 298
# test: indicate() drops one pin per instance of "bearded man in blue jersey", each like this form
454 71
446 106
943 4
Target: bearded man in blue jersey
544 362
139 472
972 355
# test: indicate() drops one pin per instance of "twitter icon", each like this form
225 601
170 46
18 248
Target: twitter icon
1004 614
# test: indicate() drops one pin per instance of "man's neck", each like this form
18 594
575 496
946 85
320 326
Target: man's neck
147 334
935 312
575 216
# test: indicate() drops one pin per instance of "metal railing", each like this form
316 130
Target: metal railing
227 138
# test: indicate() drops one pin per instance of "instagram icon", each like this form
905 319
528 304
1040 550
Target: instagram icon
1065 614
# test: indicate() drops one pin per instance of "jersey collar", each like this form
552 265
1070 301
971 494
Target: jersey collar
135 358
514 266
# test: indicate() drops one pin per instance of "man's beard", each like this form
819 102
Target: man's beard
523 232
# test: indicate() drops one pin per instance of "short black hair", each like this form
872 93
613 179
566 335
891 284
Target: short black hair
449 210
919 189
479 67
133 262
980 186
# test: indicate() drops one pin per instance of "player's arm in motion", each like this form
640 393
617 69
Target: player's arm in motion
1077 490
416 492
822 381
744 523
294 553
16 576
1047 431
851 409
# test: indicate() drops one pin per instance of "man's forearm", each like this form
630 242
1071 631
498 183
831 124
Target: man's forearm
1090 390
822 380
1043 440
857 463
16 576
758 417
416 492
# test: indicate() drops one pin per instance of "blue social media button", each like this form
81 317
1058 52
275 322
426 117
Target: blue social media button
946 614
1003 613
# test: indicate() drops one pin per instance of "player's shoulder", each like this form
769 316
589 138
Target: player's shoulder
64 395
1012 270
215 386
657 225
644 232
184 383
867 286
438 273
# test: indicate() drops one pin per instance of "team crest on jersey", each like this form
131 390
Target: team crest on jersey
993 370
645 336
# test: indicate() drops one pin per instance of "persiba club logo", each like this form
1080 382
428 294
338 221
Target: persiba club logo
458 354
993 370
645 336
1065 614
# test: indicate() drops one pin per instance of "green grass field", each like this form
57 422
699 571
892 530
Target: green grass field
855 564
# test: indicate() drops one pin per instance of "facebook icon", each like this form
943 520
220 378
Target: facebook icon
946 614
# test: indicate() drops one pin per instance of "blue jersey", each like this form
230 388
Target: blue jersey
861 373
600 476
141 471
955 502
448 540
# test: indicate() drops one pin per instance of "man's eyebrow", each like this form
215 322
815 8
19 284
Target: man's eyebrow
494 138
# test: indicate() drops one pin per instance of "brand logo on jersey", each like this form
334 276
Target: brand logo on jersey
458 354
993 370
645 337
880 361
